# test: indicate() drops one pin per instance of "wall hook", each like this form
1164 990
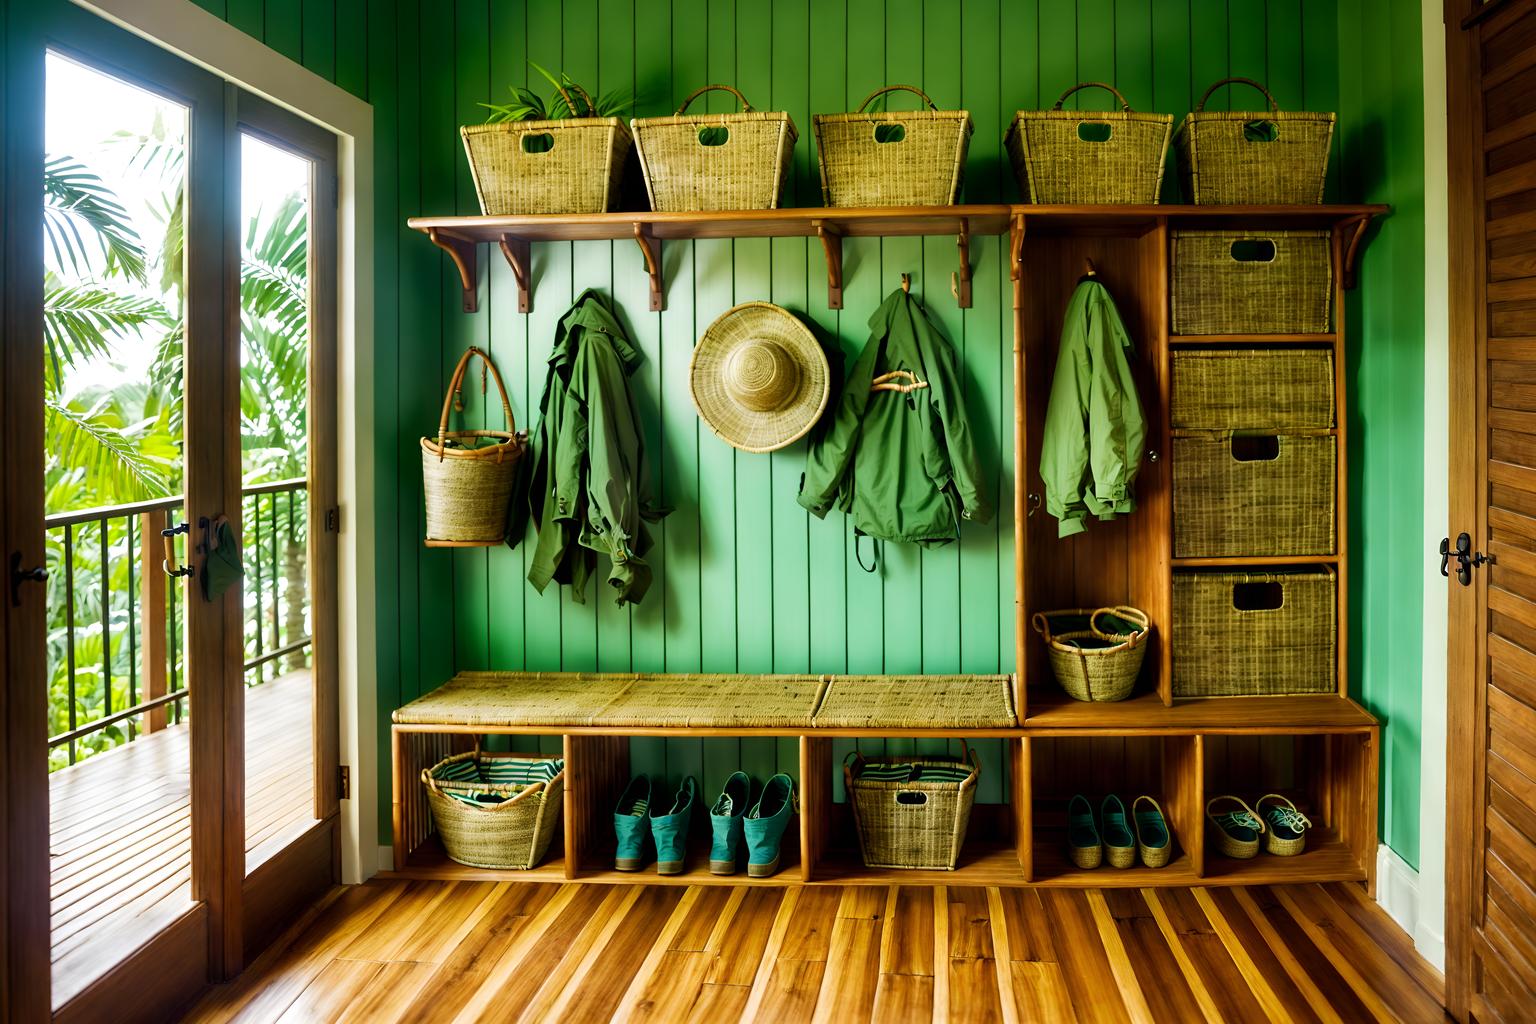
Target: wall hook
1090 269
906 283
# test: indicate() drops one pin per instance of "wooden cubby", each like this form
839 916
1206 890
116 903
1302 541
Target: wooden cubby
1322 749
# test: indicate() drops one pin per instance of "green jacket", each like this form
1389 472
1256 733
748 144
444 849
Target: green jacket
904 466
587 485
1094 426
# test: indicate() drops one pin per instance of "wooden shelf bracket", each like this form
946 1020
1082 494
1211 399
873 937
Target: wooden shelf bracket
517 251
463 255
650 248
960 283
1016 248
832 244
1353 233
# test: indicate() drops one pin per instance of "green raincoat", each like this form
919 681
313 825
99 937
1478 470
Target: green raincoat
586 484
1094 426
904 466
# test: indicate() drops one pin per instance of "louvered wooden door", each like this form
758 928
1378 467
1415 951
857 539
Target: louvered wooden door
1491 911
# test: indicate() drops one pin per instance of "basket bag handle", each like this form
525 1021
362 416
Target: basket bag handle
746 108
1126 612
1274 108
894 88
1125 104
454 399
586 98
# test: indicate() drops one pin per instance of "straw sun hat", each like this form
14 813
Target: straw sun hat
759 378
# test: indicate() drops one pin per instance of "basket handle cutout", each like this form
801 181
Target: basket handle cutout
889 131
454 399
1254 250
1124 103
1274 108
894 88
1261 131
714 135
1095 131
1255 447
537 142
746 108
911 798
1258 597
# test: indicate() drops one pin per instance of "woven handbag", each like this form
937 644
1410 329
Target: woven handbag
467 474
912 813
1096 654
496 810
905 158
1072 156
1245 157
570 165
715 161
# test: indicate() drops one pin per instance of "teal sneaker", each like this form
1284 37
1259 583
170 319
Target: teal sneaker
629 824
670 830
725 819
765 824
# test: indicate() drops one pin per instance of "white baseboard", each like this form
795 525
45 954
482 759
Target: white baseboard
1397 890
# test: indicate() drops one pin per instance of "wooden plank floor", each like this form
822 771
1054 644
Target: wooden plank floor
391 951
120 831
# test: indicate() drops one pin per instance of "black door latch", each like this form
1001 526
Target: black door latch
19 576
1466 561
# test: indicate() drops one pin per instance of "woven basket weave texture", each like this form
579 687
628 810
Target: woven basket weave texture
513 834
1221 651
1093 661
1214 292
925 167
1054 163
1223 161
745 171
911 824
579 173
1252 389
918 702
1223 505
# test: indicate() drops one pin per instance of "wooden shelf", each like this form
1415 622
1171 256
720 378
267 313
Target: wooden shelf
1052 868
1053 713
1326 859
1252 561
980 863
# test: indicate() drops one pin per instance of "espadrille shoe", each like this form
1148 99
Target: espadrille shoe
725 824
1285 834
1083 844
1236 830
670 830
1152 836
765 823
1119 843
630 825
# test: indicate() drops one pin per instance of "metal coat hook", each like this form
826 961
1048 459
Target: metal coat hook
906 283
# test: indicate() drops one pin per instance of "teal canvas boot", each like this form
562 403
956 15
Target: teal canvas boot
765 824
725 819
670 831
630 826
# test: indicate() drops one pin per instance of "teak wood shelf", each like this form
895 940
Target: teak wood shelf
1322 749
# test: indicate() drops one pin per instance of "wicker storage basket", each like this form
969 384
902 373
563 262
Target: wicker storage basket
1252 389
1055 160
1241 635
468 489
740 165
1244 494
912 822
1224 284
577 170
1095 653
919 162
496 810
1242 157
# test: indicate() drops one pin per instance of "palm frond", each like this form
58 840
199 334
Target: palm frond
76 198
82 320
92 440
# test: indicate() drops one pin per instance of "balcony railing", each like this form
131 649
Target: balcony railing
117 625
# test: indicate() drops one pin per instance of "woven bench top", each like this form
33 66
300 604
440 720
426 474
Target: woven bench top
639 700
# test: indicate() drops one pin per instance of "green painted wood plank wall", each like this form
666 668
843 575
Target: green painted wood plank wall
745 581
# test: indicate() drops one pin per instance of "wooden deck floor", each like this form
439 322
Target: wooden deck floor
120 830
420 951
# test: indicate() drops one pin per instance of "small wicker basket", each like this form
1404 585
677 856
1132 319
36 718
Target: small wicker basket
1093 663
1244 494
1237 282
1243 157
1277 389
1228 641
468 489
496 810
715 161
570 165
906 158
913 822
1056 161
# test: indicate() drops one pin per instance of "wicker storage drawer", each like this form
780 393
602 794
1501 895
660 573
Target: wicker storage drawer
1252 282
1238 635
1253 495
1252 389
912 812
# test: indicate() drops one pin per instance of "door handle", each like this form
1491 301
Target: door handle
1466 560
36 574
169 535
